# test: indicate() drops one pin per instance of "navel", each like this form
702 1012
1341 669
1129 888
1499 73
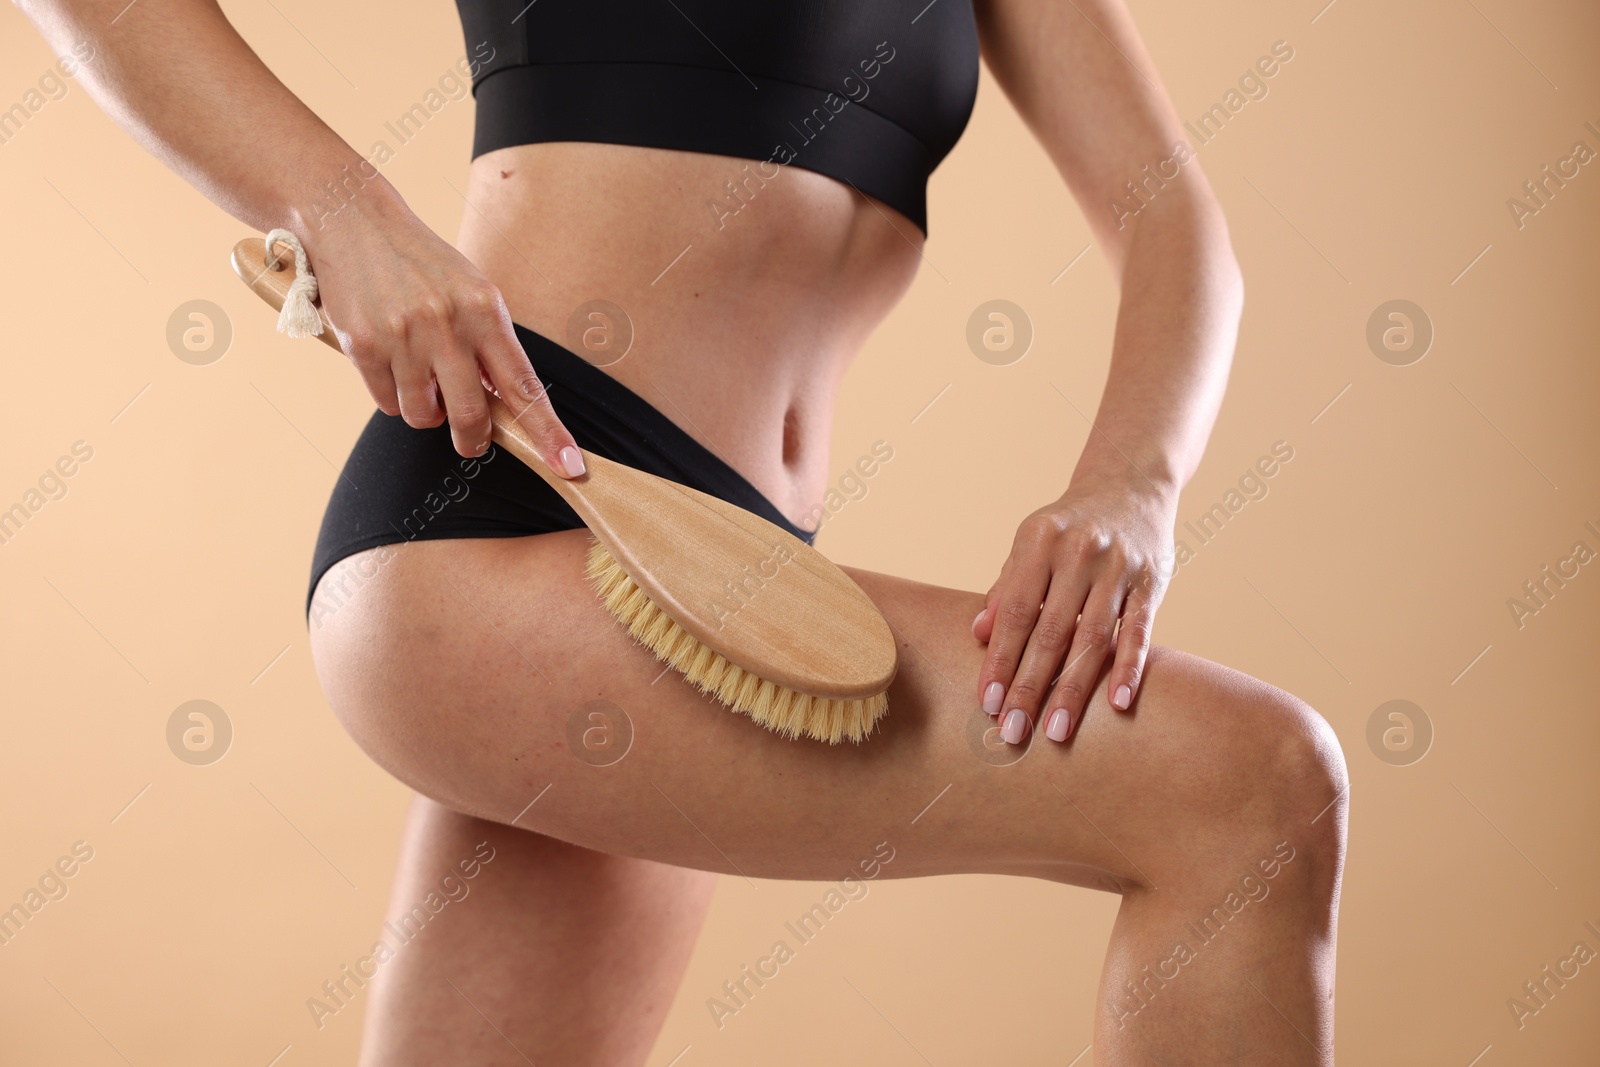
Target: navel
791 437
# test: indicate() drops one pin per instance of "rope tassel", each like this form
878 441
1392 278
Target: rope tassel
298 317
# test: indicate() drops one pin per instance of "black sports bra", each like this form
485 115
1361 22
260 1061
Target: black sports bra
871 92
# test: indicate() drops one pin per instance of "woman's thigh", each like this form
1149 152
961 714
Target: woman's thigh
485 674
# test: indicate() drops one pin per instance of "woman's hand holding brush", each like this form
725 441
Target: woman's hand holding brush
429 333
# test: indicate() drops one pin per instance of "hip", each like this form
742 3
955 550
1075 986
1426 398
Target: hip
402 484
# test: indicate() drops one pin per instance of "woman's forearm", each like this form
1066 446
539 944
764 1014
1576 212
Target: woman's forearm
1176 327
182 82
423 325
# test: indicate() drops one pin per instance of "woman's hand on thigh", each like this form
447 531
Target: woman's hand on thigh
1102 552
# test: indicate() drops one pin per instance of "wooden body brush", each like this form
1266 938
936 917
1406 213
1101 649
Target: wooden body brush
746 611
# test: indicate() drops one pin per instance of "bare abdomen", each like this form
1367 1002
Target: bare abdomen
728 293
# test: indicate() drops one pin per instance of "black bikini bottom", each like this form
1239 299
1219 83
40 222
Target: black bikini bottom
403 484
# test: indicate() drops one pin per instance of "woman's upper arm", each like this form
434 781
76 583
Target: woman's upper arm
1078 74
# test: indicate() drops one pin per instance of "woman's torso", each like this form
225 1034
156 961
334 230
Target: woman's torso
627 189
741 331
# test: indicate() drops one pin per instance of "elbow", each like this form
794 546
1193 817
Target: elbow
1189 229
1223 262
1232 279
1216 265
1199 219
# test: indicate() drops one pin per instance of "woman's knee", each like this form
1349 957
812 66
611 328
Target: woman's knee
1307 783
1301 790
1249 760
1316 798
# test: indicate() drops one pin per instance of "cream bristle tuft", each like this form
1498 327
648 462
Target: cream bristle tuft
785 711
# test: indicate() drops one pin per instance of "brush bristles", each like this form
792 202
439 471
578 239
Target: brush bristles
780 709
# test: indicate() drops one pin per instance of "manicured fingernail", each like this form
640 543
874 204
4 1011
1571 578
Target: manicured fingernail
1056 728
572 461
992 697
1015 726
1122 696
976 620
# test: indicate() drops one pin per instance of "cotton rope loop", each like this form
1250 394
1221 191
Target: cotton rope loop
298 317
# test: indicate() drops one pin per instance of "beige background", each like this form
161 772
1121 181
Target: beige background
1378 567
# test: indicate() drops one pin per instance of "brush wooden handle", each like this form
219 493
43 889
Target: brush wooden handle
763 598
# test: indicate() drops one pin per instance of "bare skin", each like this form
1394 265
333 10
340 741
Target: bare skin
1197 794
1169 805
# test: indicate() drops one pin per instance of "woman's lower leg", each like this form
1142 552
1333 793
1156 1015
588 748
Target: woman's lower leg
1230 960
548 953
